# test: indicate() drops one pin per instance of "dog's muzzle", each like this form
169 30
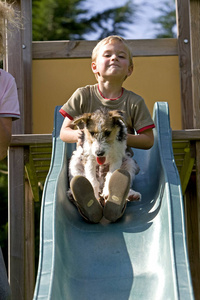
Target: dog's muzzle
100 157
101 160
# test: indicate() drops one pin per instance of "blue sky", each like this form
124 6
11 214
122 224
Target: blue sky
142 28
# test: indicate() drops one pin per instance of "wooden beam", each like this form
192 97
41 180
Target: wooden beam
29 244
14 65
188 163
29 139
83 49
192 234
195 52
198 186
187 134
16 228
26 8
195 48
185 62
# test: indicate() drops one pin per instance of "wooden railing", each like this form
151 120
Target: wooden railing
83 49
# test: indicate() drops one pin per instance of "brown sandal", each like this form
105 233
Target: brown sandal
119 186
83 193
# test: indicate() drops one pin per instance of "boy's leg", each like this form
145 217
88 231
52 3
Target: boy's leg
119 186
83 193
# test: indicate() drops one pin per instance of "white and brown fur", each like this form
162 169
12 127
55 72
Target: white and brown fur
104 135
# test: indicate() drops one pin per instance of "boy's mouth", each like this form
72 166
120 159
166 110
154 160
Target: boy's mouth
114 65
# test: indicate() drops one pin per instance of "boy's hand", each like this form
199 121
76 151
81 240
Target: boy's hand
81 136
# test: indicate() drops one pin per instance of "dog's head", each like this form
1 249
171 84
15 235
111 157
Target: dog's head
102 128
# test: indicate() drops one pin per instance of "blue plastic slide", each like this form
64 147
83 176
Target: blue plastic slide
143 256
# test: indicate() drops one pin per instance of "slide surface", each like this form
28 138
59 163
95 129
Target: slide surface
143 256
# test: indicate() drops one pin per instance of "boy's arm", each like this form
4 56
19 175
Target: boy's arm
68 134
144 140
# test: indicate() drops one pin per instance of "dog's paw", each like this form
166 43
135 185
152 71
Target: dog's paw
70 196
134 196
105 193
104 197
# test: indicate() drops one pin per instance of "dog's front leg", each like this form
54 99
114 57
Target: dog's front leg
112 168
90 174
133 195
76 166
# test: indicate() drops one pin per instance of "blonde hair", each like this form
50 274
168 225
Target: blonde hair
109 40
7 15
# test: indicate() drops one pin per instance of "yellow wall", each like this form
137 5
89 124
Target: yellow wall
154 78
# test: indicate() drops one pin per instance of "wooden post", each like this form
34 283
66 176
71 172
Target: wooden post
18 63
16 264
195 52
16 251
26 8
29 243
183 24
192 234
14 65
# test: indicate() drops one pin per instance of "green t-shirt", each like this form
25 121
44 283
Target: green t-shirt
88 99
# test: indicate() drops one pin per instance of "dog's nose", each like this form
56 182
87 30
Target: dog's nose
100 153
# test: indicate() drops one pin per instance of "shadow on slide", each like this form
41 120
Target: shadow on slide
143 256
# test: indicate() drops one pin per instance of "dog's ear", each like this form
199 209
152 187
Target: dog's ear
81 120
117 114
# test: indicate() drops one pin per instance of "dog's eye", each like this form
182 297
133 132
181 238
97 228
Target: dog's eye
107 133
92 133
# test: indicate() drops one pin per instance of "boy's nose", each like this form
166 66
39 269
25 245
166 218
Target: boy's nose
114 57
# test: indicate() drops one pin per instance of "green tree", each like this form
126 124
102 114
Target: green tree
68 20
166 21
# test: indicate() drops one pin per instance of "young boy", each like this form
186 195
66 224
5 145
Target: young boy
112 64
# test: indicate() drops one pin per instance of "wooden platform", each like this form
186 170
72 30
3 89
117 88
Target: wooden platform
184 149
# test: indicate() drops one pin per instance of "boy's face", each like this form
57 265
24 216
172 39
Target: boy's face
112 61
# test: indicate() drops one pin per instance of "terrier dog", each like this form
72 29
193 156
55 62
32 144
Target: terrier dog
103 145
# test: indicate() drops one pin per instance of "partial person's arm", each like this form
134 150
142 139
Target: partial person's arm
5 136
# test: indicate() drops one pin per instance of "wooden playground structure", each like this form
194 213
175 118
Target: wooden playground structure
30 154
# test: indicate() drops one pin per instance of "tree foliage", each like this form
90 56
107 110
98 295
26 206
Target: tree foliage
68 19
166 21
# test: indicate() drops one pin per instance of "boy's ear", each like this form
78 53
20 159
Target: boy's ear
94 67
130 70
